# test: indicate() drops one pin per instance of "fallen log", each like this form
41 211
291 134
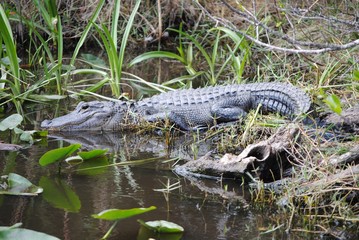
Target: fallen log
347 121
9 147
264 160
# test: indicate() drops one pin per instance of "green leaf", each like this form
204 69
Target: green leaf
59 194
356 75
40 134
93 166
156 54
44 97
26 136
333 103
92 154
18 185
58 154
16 233
162 226
159 230
11 122
95 61
118 214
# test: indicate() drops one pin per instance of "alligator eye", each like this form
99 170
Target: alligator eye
85 106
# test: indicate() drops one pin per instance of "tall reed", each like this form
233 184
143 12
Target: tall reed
11 67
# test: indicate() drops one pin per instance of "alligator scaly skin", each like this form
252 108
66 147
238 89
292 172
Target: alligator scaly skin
275 97
189 109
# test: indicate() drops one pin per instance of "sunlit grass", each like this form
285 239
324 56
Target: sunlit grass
12 77
236 58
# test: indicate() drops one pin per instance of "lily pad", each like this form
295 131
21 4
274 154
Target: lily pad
10 122
59 194
16 233
58 154
92 154
160 229
93 166
15 184
162 226
118 214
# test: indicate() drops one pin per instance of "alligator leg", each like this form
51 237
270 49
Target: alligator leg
182 117
191 118
232 109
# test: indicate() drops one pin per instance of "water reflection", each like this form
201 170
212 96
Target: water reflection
207 209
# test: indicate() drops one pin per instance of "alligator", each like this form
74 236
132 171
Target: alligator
189 109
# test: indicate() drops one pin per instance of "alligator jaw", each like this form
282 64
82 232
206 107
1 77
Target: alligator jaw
91 116
63 123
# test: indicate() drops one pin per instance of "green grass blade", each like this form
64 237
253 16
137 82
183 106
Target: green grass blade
125 38
113 60
156 54
86 31
200 48
7 38
60 48
114 25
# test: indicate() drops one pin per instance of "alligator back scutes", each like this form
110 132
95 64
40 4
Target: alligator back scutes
274 97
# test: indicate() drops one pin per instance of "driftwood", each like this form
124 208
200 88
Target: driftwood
347 121
342 174
350 157
268 159
265 159
9 147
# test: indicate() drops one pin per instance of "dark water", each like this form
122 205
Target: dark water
203 215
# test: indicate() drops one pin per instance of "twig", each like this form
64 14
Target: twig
250 18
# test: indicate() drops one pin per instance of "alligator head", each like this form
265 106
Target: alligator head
95 115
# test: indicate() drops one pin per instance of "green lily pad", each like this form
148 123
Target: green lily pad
118 214
59 194
93 166
16 233
162 226
58 154
15 184
160 229
10 122
92 154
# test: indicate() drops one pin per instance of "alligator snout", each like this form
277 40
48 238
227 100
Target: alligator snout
46 123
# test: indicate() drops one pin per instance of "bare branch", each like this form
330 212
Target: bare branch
316 48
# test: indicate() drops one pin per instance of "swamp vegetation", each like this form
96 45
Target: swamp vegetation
56 53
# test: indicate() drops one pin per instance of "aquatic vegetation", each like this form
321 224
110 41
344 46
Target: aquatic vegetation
14 184
120 214
12 123
59 194
16 232
160 230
